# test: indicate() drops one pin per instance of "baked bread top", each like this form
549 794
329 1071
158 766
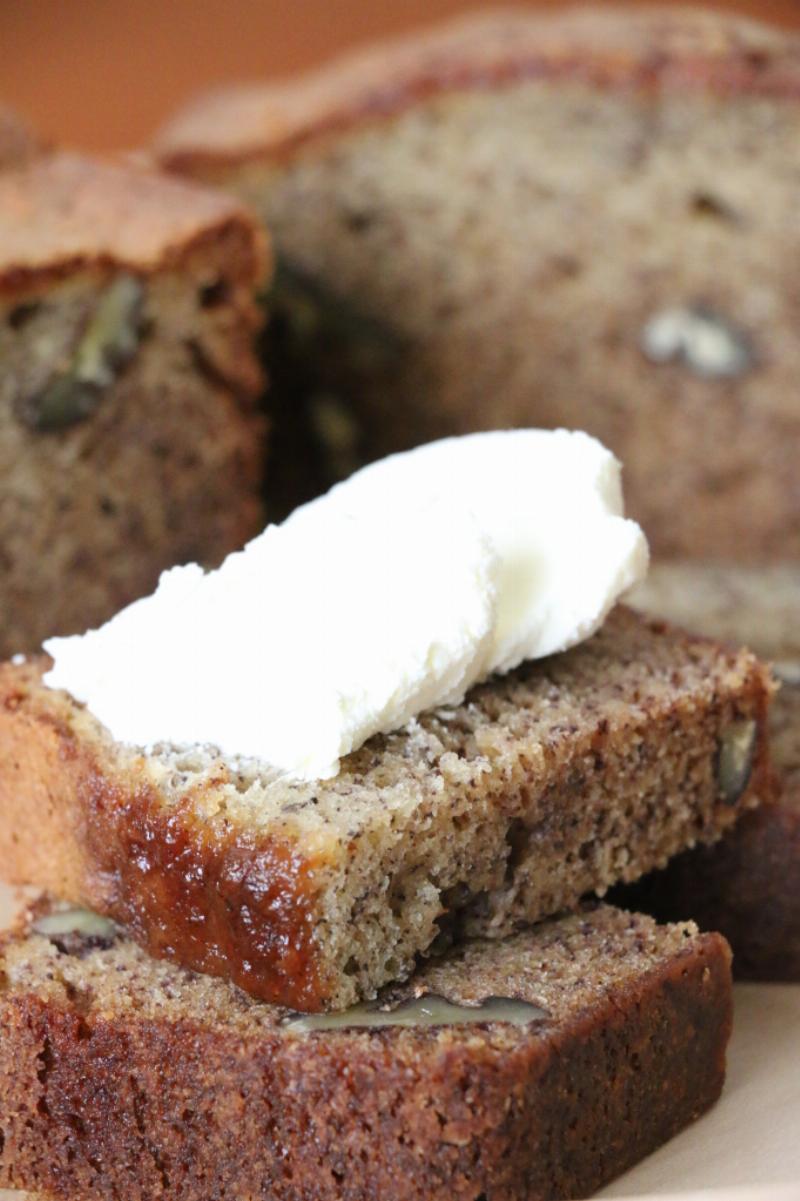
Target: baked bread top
63 212
655 47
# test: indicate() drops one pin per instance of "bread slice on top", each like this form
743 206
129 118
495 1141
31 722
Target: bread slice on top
129 433
529 1069
582 219
560 779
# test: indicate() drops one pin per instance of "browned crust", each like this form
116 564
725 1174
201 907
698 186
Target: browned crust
606 47
116 1106
214 898
63 212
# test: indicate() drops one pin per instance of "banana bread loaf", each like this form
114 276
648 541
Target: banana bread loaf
562 778
747 885
129 436
526 1070
583 220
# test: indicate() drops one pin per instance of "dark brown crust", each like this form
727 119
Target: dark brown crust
215 898
119 1107
233 907
228 906
656 48
64 212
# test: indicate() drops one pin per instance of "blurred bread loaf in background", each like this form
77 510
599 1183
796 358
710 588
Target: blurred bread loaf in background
583 219
130 438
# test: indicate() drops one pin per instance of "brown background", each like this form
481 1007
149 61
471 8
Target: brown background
104 73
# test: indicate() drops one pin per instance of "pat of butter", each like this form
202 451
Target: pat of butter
394 593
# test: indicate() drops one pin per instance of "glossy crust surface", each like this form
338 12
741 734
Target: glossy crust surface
122 1076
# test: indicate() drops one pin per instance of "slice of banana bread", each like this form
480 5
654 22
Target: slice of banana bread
748 885
535 1068
584 220
562 778
129 436
17 142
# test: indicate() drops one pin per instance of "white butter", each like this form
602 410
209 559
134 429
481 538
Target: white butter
395 592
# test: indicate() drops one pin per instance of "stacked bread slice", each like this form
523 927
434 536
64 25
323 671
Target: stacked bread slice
124 1076
560 779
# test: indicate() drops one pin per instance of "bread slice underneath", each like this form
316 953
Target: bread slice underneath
747 885
560 779
122 1076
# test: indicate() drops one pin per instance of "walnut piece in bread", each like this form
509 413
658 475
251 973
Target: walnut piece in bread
562 778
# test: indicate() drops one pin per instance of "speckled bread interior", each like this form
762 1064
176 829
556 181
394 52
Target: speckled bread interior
586 220
129 434
562 778
123 1076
